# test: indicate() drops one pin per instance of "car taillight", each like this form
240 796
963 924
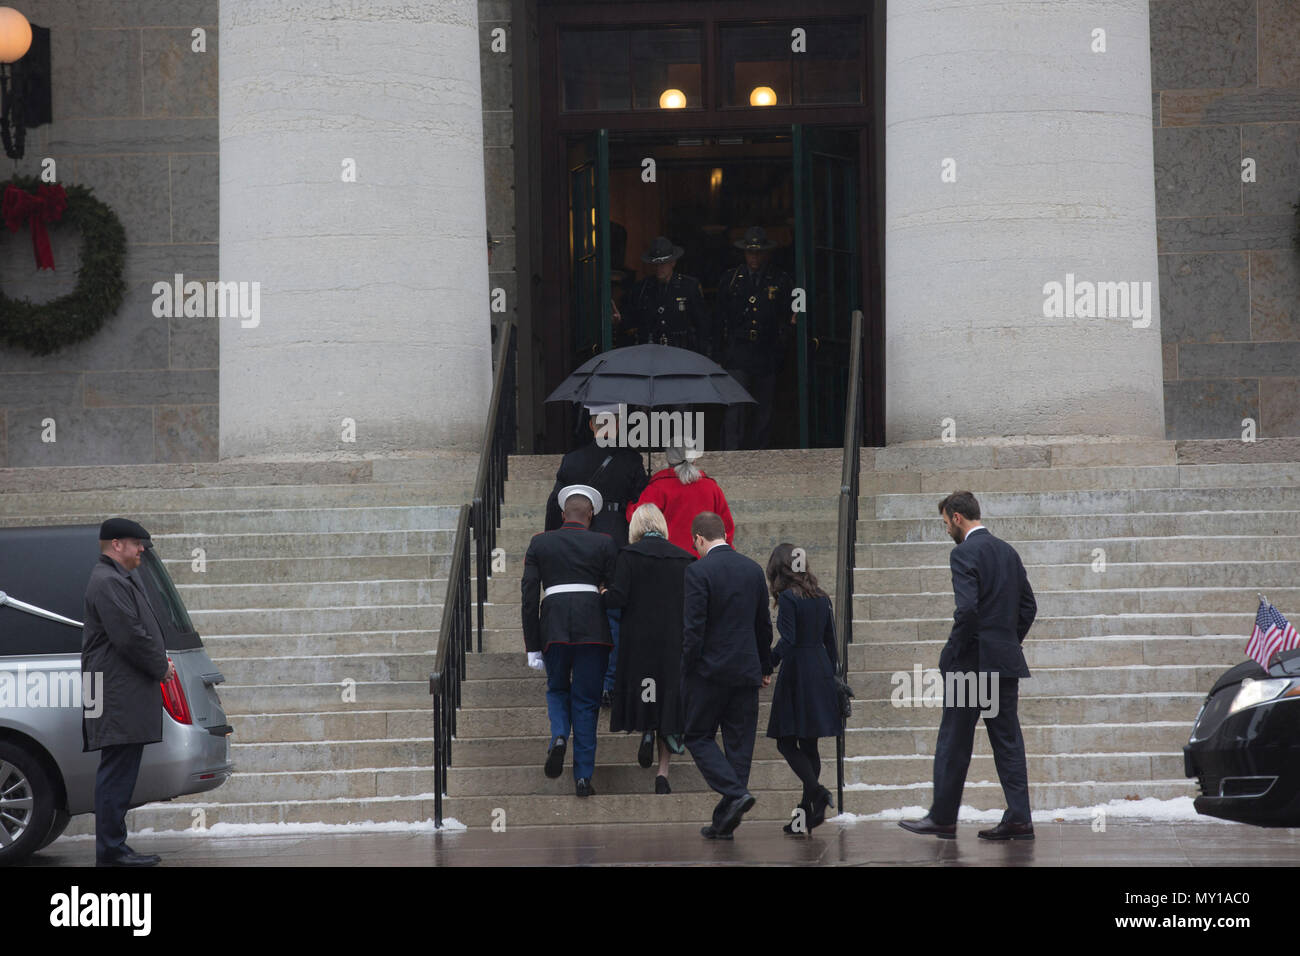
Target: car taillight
174 701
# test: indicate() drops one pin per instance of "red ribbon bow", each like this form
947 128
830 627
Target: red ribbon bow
36 209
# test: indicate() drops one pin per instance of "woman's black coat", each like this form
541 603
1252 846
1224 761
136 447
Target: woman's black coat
649 586
805 702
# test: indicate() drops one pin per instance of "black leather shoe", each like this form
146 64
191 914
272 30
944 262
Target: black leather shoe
130 859
944 831
712 833
583 787
661 784
804 828
555 758
1009 831
732 814
645 754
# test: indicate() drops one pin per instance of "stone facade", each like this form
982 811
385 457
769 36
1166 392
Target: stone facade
135 119
1225 76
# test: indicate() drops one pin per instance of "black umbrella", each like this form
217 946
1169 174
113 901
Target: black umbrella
651 376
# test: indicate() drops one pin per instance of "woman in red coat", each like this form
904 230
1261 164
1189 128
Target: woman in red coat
681 491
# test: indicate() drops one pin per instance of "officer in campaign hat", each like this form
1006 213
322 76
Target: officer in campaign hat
666 308
122 639
566 630
756 315
619 475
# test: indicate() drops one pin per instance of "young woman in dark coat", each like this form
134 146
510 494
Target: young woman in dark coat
805 702
649 586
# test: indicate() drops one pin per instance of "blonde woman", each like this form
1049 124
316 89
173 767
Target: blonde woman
648 586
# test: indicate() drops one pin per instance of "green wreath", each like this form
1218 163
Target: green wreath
50 326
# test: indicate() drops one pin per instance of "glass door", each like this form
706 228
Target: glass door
827 268
588 166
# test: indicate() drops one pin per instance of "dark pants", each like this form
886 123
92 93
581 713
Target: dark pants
750 426
708 706
953 749
573 677
119 766
801 754
615 616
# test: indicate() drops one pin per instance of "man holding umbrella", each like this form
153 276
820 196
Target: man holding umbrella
566 632
619 476
667 308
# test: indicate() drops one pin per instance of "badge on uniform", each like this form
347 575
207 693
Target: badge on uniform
681 304
771 293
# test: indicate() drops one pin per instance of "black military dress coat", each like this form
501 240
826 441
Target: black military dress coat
122 638
620 483
569 555
669 313
754 312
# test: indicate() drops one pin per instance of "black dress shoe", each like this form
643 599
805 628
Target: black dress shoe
944 831
661 784
803 828
583 787
129 859
555 758
1009 831
712 833
646 752
737 809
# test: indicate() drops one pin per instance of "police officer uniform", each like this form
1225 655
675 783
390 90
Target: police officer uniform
754 311
667 313
565 624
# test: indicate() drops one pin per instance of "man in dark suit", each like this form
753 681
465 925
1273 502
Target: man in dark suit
995 609
726 647
122 639
564 571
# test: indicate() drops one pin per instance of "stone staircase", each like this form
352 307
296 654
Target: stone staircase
320 601
1121 657
326 578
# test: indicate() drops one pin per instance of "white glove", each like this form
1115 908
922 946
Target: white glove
535 661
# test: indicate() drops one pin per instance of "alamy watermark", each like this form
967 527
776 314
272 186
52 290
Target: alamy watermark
1098 300
210 300
43 688
932 688
653 429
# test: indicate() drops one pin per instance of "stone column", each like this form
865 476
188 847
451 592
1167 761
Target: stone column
1050 142
373 292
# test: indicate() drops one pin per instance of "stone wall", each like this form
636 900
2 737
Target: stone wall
1226 85
135 119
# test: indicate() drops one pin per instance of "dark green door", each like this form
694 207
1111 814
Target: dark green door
589 245
827 268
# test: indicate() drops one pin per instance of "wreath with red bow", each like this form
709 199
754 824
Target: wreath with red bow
25 202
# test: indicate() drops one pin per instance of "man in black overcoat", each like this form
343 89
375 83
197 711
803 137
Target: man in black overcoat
726 648
122 639
619 475
566 630
995 609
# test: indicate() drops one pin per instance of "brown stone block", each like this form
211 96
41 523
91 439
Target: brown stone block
1279 43
1279 407
1274 295
184 433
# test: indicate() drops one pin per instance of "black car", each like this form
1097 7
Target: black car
1245 745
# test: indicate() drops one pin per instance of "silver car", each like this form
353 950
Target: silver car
45 777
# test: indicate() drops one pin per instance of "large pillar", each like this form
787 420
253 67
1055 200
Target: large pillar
1049 139
373 292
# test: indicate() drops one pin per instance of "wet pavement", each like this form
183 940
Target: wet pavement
863 843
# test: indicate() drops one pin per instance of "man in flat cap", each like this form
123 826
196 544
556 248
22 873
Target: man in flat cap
122 639
755 312
667 308
619 475
566 631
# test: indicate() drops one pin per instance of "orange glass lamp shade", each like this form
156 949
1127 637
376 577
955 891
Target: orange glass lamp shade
15 35
672 100
762 96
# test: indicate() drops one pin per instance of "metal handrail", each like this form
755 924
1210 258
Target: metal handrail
481 516
847 532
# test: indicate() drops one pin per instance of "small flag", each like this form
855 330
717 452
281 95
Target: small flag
1272 633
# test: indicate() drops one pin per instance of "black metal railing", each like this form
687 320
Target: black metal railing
481 517
847 533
